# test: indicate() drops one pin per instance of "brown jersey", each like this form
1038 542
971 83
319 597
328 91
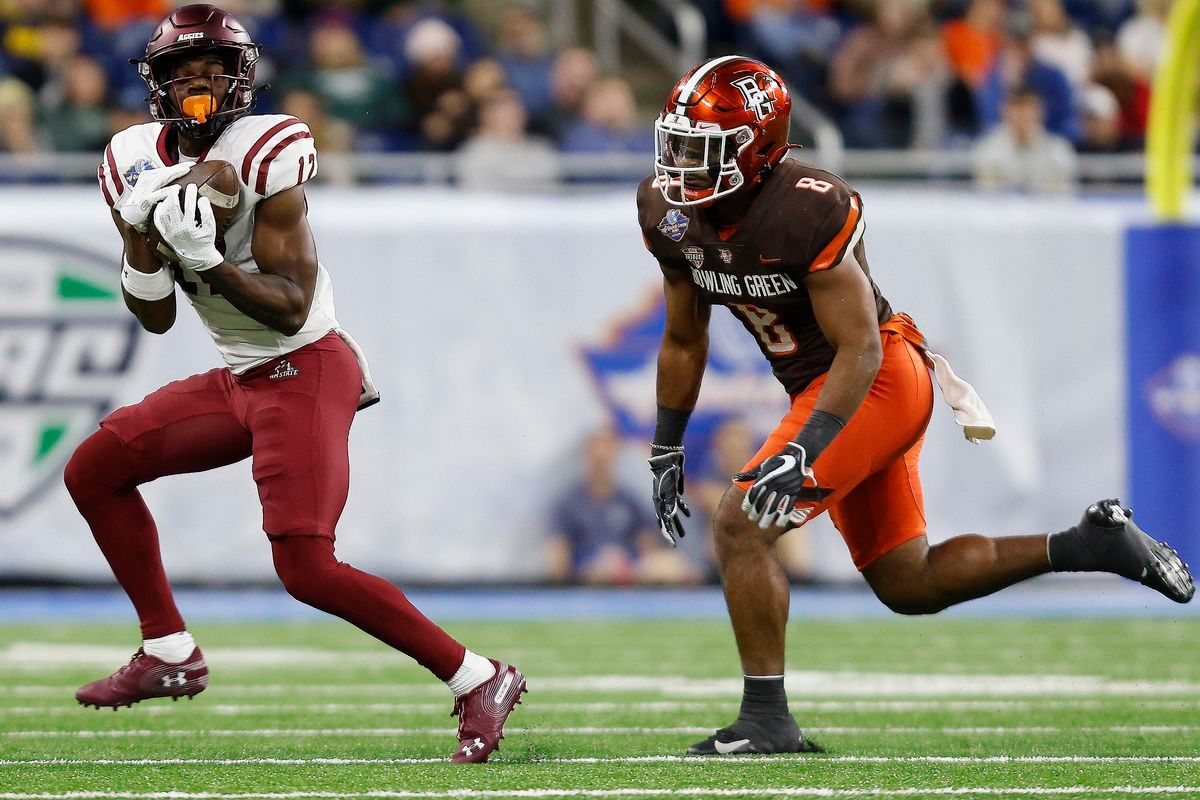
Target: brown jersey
804 220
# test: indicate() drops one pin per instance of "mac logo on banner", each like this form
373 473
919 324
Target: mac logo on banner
67 346
1174 396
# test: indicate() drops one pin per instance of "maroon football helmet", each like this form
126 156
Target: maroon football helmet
725 126
191 30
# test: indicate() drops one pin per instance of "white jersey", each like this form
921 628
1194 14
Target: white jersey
271 153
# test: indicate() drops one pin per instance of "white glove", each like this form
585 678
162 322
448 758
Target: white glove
148 191
191 231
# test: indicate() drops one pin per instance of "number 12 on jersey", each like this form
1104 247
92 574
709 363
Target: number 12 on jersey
775 337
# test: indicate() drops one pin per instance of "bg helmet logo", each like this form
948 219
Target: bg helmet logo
66 346
757 98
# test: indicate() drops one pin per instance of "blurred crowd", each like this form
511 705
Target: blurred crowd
367 77
1054 77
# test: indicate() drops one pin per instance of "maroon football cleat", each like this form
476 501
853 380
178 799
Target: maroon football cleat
144 677
482 711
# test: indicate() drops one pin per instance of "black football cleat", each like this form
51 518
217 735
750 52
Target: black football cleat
1121 547
773 735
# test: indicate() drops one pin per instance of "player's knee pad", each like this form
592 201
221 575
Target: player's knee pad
99 464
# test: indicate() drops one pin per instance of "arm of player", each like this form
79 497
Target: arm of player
156 316
281 293
844 306
681 362
684 351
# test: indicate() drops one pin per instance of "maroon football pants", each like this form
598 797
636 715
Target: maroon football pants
292 416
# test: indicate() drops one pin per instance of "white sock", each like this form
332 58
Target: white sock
172 648
474 672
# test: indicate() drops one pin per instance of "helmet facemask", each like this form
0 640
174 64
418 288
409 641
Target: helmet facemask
696 163
198 119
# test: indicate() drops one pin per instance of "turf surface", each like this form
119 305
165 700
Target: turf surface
905 707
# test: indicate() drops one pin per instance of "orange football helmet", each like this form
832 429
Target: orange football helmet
724 127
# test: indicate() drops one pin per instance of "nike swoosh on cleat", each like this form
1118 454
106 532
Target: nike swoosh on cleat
725 748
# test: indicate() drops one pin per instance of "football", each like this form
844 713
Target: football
218 181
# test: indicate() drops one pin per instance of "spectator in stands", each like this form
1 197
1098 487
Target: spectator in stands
74 112
1059 42
17 134
1022 154
114 14
333 136
610 122
37 48
1132 89
1101 115
441 111
1141 38
348 87
523 49
501 155
483 79
861 75
573 74
797 37
927 100
1017 66
973 41
601 533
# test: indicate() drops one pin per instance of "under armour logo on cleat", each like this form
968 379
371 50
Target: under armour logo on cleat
178 680
477 744
284 370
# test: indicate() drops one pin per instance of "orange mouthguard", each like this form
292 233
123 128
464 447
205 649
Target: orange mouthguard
199 107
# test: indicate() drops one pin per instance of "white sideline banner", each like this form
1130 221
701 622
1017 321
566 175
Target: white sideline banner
476 312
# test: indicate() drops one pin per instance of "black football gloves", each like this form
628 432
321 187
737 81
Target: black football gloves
780 483
666 466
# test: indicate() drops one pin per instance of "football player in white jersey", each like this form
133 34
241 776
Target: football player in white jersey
286 398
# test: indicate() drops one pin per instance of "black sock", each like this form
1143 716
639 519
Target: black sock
763 697
1070 551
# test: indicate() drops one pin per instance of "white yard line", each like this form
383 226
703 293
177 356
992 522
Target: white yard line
592 730
691 791
42 656
749 761
652 706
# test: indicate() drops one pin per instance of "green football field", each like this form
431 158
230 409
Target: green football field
905 708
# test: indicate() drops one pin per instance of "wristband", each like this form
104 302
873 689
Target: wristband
669 427
818 432
148 286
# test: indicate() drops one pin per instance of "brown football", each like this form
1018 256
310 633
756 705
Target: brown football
218 181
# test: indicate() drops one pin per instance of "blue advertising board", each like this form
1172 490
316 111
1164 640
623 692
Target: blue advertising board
1162 278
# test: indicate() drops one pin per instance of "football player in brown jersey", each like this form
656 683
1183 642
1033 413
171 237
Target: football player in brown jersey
781 245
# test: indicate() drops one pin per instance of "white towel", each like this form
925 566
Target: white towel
969 410
370 395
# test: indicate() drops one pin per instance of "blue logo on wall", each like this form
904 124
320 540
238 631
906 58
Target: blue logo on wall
1173 394
674 224
738 384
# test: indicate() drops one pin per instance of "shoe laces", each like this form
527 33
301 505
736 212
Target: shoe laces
132 660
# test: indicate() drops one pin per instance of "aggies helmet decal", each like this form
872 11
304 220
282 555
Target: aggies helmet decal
191 30
725 125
